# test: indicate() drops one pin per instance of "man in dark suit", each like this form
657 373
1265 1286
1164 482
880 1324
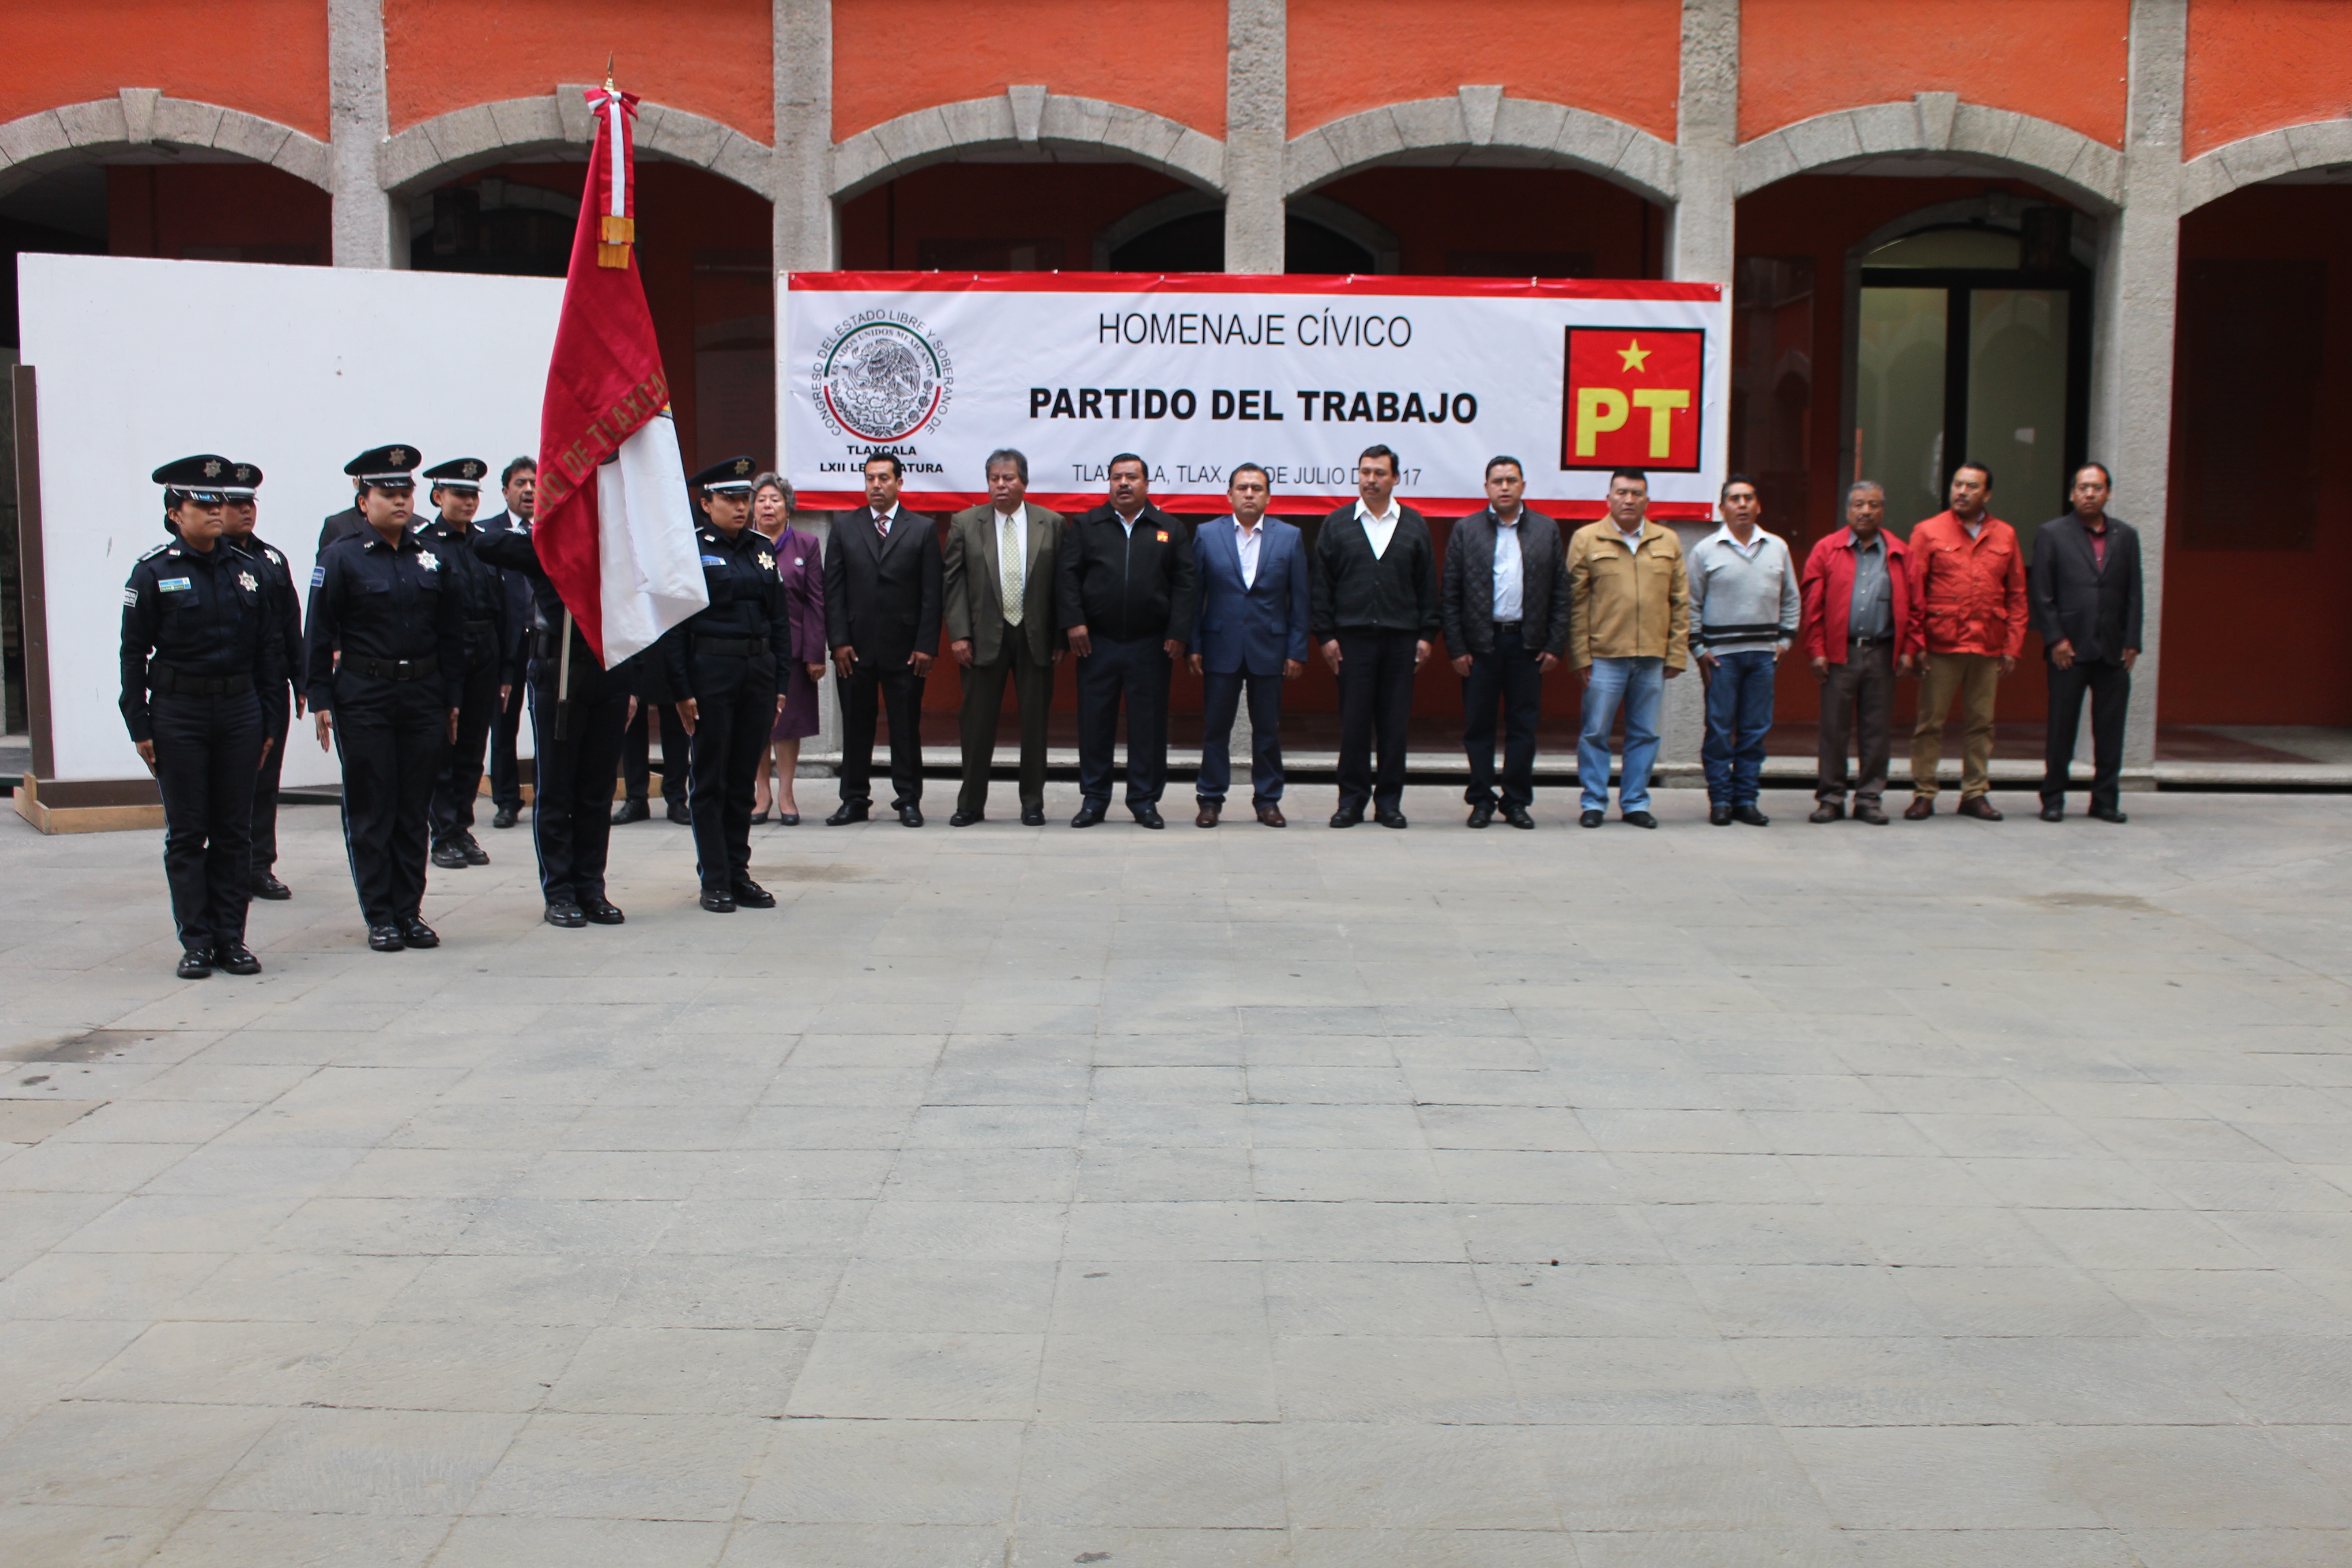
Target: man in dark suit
2086 592
1127 594
882 622
519 481
1256 598
999 586
1375 613
1504 605
342 524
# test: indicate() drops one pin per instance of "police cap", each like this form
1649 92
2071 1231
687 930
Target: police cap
243 480
458 474
203 478
385 467
732 477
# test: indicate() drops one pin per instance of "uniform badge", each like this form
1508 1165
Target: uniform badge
245 580
767 562
174 586
318 576
400 457
130 598
430 562
275 559
211 467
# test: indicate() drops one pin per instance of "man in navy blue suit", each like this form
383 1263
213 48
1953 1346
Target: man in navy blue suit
1255 599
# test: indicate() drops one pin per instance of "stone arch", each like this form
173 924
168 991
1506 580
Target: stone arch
2291 149
1481 125
144 117
481 134
1027 119
1939 127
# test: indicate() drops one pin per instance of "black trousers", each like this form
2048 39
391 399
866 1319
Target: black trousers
899 691
1221 700
505 768
1508 677
2109 689
735 704
1375 706
636 762
1857 707
983 703
572 788
461 776
393 738
264 785
1137 670
205 749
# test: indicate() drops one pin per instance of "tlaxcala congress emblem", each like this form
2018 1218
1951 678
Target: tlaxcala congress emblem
1631 398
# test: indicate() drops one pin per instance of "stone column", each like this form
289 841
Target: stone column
1699 248
2131 378
807 240
366 226
1257 126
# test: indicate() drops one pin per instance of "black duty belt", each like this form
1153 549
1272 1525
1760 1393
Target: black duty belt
392 668
743 647
165 681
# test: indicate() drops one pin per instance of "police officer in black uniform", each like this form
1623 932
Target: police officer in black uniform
199 637
578 711
238 518
390 703
482 601
726 668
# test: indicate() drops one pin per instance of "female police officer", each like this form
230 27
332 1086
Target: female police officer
197 640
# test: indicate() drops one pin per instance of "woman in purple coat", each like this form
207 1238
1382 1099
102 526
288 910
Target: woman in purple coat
800 562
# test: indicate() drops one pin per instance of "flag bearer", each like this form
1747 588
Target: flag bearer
198 639
482 609
390 702
278 586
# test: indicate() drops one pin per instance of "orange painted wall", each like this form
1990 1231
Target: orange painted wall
709 57
2061 60
266 56
1618 57
2298 51
893 57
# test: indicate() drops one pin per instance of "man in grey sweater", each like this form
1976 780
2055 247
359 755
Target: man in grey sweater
1744 612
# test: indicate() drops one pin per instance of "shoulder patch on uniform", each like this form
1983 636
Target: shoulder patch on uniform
275 559
158 550
130 598
318 576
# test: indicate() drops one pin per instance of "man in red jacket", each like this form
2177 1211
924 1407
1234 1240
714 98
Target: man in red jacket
1859 632
1971 579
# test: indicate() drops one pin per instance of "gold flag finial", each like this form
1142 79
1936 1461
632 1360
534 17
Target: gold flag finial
608 72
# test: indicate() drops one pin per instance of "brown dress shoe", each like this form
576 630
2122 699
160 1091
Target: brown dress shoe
1920 809
1870 814
1208 817
1272 817
1828 811
1980 808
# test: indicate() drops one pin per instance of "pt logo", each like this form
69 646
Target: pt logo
882 376
1632 398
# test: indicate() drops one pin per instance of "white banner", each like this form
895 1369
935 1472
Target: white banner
1198 373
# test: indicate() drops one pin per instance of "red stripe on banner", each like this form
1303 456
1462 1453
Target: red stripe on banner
1289 504
1249 283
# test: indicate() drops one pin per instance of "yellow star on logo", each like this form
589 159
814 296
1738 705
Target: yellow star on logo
1636 356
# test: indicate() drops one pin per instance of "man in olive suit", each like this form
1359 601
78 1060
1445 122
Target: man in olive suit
998 586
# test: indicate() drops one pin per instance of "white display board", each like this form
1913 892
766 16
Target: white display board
298 369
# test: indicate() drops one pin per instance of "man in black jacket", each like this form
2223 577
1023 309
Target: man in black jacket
882 608
1127 586
519 483
2085 590
1375 615
1504 605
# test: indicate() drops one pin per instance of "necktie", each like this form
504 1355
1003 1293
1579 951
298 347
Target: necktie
882 525
1009 569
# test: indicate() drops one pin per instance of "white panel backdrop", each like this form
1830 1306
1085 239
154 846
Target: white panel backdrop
296 368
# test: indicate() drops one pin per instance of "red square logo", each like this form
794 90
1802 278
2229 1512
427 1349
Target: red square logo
1631 398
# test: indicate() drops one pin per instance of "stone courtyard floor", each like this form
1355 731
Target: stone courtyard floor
1936 1194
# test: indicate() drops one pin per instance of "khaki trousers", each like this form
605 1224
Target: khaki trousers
1976 677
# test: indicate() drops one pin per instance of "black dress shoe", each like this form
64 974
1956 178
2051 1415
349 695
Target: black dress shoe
1348 817
910 815
851 810
2057 812
757 818
1592 818
504 816
1831 811
962 818
681 813
750 895
631 811
1518 816
1718 816
475 854
448 856
236 958
265 886
719 900
566 914
2110 814
1089 812
1865 811
417 933
1389 817
602 910
1033 816
1640 819
1148 816
1480 815
1750 816
788 819
385 938
195 963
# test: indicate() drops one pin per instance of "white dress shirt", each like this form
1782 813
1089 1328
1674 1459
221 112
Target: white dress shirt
1125 521
1246 541
1379 530
884 521
1509 577
1633 540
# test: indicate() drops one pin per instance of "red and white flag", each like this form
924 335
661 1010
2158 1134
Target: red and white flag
614 529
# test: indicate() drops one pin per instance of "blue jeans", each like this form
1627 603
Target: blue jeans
1739 717
1640 686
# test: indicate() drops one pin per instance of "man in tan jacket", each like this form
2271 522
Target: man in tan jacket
998 585
1628 634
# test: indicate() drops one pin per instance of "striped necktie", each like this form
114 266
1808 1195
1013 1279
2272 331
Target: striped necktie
1009 568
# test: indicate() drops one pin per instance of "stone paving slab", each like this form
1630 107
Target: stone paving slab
1877 1198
